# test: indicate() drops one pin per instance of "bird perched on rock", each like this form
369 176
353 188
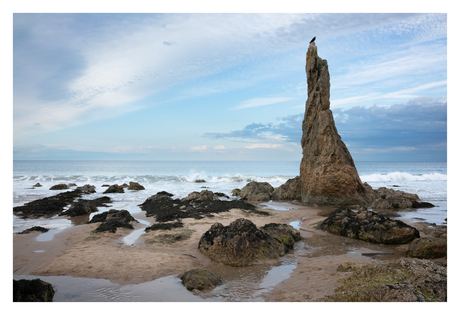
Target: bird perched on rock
313 40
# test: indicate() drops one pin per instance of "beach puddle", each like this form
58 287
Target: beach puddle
48 236
295 224
276 206
39 251
131 238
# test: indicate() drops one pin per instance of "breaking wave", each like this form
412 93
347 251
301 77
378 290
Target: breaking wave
403 177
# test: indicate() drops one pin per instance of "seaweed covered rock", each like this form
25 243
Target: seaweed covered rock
84 207
32 291
49 206
114 189
285 233
35 229
368 226
426 248
199 279
111 220
288 191
164 226
59 187
403 280
239 244
135 186
256 191
197 205
86 189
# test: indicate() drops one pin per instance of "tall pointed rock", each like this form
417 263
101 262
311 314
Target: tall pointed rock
327 172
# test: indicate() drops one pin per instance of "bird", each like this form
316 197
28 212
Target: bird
313 40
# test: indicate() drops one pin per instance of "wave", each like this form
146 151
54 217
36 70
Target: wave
403 177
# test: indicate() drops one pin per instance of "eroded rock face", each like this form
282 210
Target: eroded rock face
32 291
239 244
327 171
403 280
256 191
368 226
199 279
291 190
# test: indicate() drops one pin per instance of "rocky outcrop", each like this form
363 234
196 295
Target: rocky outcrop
388 198
403 280
428 248
114 189
59 187
289 191
284 233
135 186
256 191
368 226
111 220
327 171
197 205
32 291
85 207
239 244
199 279
35 229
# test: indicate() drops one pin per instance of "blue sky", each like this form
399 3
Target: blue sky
225 86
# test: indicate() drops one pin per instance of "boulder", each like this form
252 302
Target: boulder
403 280
328 174
288 191
114 189
59 187
111 220
72 184
37 185
135 186
236 192
32 291
368 226
200 181
256 191
84 207
239 244
199 279
86 189
204 195
428 248
284 233
393 199
35 229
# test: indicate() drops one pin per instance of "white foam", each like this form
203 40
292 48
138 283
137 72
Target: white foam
403 177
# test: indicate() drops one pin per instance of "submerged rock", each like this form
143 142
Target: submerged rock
111 220
327 171
256 191
239 244
199 279
428 248
114 189
35 229
368 226
32 291
291 190
403 280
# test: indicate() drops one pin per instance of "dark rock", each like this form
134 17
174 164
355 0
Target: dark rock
284 233
219 194
37 185
135 186
32 291
239 244
84 207
199 279
403 280
35 229
426 248
368 226
114 189
200 181
196 205
164 226
393 199
416 204
111 220
256 191
72 184
86 189
105 185
59 187
289 190
124 185
236 192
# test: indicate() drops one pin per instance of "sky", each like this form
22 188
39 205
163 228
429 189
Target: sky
221 86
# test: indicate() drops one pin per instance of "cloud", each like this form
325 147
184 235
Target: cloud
199 148
263 146
219 147
262 101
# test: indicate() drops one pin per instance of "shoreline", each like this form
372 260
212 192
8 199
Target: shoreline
77 252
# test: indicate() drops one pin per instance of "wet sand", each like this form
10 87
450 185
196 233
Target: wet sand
309 271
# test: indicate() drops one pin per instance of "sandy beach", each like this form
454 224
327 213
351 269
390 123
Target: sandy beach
78 252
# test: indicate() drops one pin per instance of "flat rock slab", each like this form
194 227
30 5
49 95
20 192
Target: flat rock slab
368 226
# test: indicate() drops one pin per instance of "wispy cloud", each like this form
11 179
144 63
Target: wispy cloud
262 101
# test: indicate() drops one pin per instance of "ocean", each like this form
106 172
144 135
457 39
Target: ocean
427 179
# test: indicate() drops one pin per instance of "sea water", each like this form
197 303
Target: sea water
427 179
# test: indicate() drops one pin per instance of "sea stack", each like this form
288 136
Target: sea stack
327 172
